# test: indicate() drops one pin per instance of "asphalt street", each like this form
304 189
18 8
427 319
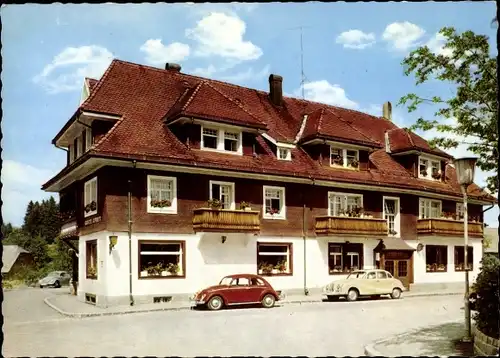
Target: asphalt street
312 329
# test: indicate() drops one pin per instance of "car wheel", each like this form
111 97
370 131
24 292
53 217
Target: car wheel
332 298
352 295
215 303
57 284
41 286
268 301
396 293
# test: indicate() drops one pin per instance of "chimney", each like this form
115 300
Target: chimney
387 111
387 142
276 89
173 67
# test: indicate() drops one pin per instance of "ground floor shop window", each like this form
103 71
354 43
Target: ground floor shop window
344 258
162 259
460 258
91 264
436 258
274 259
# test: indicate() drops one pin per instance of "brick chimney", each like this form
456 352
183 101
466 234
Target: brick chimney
276 89
387 111
173 67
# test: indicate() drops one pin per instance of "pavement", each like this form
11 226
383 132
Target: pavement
69 305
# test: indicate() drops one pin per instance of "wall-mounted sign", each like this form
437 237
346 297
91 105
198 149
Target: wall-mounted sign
93 220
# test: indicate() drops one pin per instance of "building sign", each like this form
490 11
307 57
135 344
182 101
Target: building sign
93 220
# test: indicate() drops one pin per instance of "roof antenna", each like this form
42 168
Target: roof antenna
302 76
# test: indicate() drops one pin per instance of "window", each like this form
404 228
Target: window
344 258
88 138
436 258
90 197
429 169
274 202
460 211
347 158
284 154
460 259
391 215
223 140
224 192
274 259
71 153
381 275
162 195
429 208
162 259
340 204
78 146
91 259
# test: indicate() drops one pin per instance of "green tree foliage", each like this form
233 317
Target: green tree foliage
466 63
6 229
487 304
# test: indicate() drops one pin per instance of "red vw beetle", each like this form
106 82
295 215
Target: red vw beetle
238 289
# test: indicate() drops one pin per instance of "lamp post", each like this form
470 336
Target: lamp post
465 175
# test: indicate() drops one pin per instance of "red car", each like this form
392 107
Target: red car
238 289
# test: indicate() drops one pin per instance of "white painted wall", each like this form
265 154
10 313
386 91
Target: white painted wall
420 274
97 287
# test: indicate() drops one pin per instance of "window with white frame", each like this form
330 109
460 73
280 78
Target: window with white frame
91 259
284 154
429 168
224 193
224 140
161 259
391 215
342 157
79 146
429 209
344 257
71 149
90 197
344 204
274 259
335 258
460 212
162 194
274 202
88 138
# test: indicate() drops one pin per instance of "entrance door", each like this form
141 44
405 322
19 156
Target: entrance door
399 269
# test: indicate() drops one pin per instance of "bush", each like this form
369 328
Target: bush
487 304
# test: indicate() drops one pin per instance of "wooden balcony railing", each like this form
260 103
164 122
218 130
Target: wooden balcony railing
334 225
206 219
447 227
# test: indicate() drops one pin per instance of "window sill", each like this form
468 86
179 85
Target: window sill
90 213
221 151
151 210
170 277
274 274
342 167
269 217
438 271
93 278
463 270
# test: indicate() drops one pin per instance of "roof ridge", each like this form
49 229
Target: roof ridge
99 83
409 137
353 127
190 99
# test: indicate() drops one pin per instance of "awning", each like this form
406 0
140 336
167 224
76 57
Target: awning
393 243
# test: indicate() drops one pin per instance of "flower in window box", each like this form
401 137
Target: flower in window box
353 163
93 206
161 203
357 212
245 206
265 268
281 266
92 272
338 160
273 211
423 172
434 267
173 269
88 208
469 267
428 267
214 204
436 174
441 267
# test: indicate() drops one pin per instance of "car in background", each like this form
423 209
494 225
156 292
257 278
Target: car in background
55 279
364 283
240 289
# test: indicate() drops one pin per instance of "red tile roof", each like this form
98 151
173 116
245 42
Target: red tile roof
146 96
402 139
91 83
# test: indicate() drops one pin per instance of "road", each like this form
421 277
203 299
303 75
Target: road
317 329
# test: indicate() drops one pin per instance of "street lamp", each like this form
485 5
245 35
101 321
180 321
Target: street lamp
465 175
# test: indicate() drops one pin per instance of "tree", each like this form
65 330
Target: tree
472 110
487 304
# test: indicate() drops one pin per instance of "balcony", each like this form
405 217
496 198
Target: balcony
335 225
448 227
213 220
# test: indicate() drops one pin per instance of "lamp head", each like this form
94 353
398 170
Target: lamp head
465 170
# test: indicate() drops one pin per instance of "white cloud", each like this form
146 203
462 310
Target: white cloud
70 66
218 34
247 75
159 54
205 71
436 45
21 183
324 92
356 39
402 35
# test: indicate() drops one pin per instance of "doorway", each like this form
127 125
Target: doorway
400 265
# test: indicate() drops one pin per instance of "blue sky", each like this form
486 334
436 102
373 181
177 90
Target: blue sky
352 56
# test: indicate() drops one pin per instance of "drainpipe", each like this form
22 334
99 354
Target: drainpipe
304 237
491 207
129 210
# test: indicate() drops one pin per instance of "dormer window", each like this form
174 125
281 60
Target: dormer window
429 168
342 157
223 140
284 154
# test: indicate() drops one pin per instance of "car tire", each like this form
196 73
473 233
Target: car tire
332 298
215 303
41 286
57 284
396 293
352 295
268 301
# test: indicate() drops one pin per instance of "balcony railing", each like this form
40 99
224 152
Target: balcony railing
334 225
448 227
206 219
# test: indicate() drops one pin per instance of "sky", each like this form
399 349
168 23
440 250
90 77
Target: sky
352 55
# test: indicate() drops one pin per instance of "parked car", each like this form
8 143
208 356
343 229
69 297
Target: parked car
55 279
364 283
238 289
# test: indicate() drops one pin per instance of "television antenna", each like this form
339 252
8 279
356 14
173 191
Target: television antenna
302 74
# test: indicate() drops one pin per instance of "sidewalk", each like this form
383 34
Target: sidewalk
443 340
69 305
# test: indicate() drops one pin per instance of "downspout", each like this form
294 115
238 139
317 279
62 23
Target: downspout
491 207
129 210
304 237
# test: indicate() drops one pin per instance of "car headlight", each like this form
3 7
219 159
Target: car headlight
339 287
